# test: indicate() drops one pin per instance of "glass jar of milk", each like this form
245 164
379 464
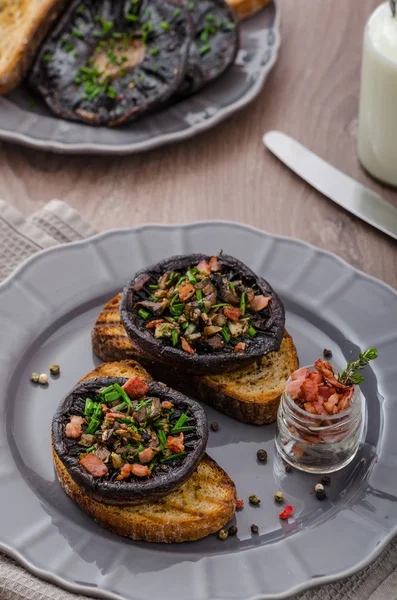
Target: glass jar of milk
377 132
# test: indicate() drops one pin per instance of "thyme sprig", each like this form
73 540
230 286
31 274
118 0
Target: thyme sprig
350 375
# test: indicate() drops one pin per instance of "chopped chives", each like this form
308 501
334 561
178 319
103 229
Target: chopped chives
180 280
154 286
251 331
110 388
153 464
148 12
89 407
177 309
242 303
190 6
176 13
191 277
181 421
111 93
182 429
80 9
69 48
204 49
164 25
142 77
123 394
174 337
75 55
143 313
138 450
185 325
162 438
231 25
209 17
119 407
117 35
225 334
77 33
93 426
199 295
154 51
219 305
204 36
112 396
47 56
132 18
90 449
174 456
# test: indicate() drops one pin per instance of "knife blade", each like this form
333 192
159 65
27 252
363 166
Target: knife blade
339 187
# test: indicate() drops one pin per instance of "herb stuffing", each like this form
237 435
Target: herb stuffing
126 433
205 308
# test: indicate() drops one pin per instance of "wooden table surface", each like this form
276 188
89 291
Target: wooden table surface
226 173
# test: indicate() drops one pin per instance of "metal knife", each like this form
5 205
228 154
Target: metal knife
342 189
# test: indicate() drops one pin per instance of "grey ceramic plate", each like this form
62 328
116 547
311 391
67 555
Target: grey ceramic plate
47 310
35 125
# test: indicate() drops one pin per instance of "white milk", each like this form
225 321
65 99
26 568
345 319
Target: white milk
377 134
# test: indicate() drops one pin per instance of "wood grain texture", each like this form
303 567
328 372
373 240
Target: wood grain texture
226 173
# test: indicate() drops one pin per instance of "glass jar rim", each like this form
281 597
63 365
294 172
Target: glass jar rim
316 417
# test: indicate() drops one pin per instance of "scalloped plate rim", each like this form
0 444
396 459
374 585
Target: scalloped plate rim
24 268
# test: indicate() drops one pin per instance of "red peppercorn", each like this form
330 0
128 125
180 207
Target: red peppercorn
287 512
239 504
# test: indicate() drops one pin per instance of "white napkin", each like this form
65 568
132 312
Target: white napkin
57 223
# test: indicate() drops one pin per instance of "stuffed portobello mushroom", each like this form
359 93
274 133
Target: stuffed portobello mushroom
214 46
126 442
109 61
202 314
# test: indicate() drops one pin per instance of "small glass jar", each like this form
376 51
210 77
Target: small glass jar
318 443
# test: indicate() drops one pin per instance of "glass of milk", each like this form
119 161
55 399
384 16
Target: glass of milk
377 131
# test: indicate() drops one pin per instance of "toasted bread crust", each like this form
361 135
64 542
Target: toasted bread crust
175 518
247 8
23 26
253 405
124 368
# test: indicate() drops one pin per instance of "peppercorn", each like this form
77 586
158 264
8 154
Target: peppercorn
43 378
279 497
214 426
232 530
254 499
239 504
318 487
35 377
262 455
223 534
54 369
288 468
254 528
327 353
321 495
326 480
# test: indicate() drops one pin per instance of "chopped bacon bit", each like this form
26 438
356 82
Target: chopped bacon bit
239 504
135 387
166 404
308 406
186 346
294 387
94 465
176 443
105 408
204 267
186 291
310 390
147 455
142 280
115 415
232 313
327 372
154 323
259 302
73 429
325 391
164 280
214 264
287 512
135 469
240 347
301 373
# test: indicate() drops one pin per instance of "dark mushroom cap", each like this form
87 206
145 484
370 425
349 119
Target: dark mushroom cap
109 61
267 339
135 490
214 46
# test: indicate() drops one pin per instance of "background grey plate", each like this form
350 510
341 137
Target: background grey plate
47 311
36 126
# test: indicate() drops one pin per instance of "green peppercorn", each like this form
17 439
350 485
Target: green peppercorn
214 426
279 497
262 455
34 377
321 495
233 530
223 534
288 468
54 369
326 480
254 528
254 499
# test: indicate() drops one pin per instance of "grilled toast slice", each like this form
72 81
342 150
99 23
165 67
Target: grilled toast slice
23 26
201 506
250 395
